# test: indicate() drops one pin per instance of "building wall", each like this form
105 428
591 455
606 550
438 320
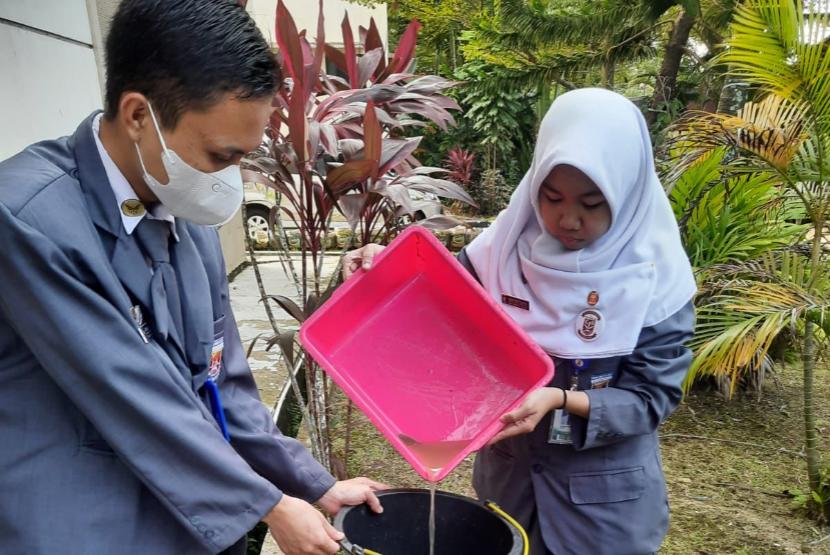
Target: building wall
52 68
305 13
50 78
55 77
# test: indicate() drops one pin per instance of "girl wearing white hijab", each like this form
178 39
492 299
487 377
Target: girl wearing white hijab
587 259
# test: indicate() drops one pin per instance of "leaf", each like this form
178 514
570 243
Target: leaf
328 137
313 71
368 64
435 114
288 40
440 187
396 151
298 125
313 138
292 215
373 41
349 174
288 306
252 344
349 51
430 84
311 303
372 138
285 340
264 164
336 56
351 148
399 195
405 50
379 94
440 223
250 176
425 170
351 206
773 129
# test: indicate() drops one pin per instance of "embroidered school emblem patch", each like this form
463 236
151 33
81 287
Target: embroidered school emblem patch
589 324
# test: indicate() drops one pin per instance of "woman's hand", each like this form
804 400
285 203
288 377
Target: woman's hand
524 419
360 258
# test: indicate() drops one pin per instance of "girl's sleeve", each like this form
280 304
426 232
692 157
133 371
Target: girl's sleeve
647 389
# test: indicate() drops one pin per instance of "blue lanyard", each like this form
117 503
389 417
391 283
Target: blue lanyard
215 401
577 366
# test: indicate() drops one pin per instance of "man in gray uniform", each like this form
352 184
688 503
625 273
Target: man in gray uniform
130 419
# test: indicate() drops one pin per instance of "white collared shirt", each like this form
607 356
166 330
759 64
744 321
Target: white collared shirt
123 191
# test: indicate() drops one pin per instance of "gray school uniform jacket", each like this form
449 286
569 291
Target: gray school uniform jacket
605 493
106 443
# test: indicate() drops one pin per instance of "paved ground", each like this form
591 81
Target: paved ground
252 320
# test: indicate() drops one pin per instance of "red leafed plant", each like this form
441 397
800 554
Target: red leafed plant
336 144
460 163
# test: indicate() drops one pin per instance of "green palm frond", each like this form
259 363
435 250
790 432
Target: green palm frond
738 320
743 306
779 45
726 217
770 131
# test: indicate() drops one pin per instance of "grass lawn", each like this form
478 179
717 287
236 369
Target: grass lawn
728 466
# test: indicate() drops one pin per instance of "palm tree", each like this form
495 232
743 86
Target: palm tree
562 41
556 41
778 47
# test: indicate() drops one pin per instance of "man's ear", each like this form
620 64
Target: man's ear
134 115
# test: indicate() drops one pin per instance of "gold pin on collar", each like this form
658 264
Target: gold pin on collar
133 208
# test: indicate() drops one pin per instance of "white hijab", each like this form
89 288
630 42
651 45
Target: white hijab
592 302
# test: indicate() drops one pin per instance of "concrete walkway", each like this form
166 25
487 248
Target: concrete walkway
252 320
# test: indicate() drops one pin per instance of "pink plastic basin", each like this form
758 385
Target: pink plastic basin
425 353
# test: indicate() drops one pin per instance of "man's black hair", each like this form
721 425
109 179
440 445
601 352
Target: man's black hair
185 55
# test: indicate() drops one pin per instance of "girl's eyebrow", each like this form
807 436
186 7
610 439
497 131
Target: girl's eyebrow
593 194
590 196
549 187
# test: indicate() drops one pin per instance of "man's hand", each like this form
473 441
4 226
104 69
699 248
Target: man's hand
360 258
524 419
352 492
300 529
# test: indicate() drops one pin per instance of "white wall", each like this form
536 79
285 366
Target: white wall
67 18
50 79
305 13
52 76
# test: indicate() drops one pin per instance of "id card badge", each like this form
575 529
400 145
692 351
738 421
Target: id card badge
217 350
560 424
560 428
214 371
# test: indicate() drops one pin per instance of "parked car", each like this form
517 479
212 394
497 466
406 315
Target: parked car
260 200
425 205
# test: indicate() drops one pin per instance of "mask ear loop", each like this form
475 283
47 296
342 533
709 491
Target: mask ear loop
158 132
156 124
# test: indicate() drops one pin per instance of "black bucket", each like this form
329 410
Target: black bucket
463 526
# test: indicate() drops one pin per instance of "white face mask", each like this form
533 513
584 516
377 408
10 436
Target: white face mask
196 196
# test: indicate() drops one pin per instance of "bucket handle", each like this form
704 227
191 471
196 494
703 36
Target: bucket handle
355 549
498 510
